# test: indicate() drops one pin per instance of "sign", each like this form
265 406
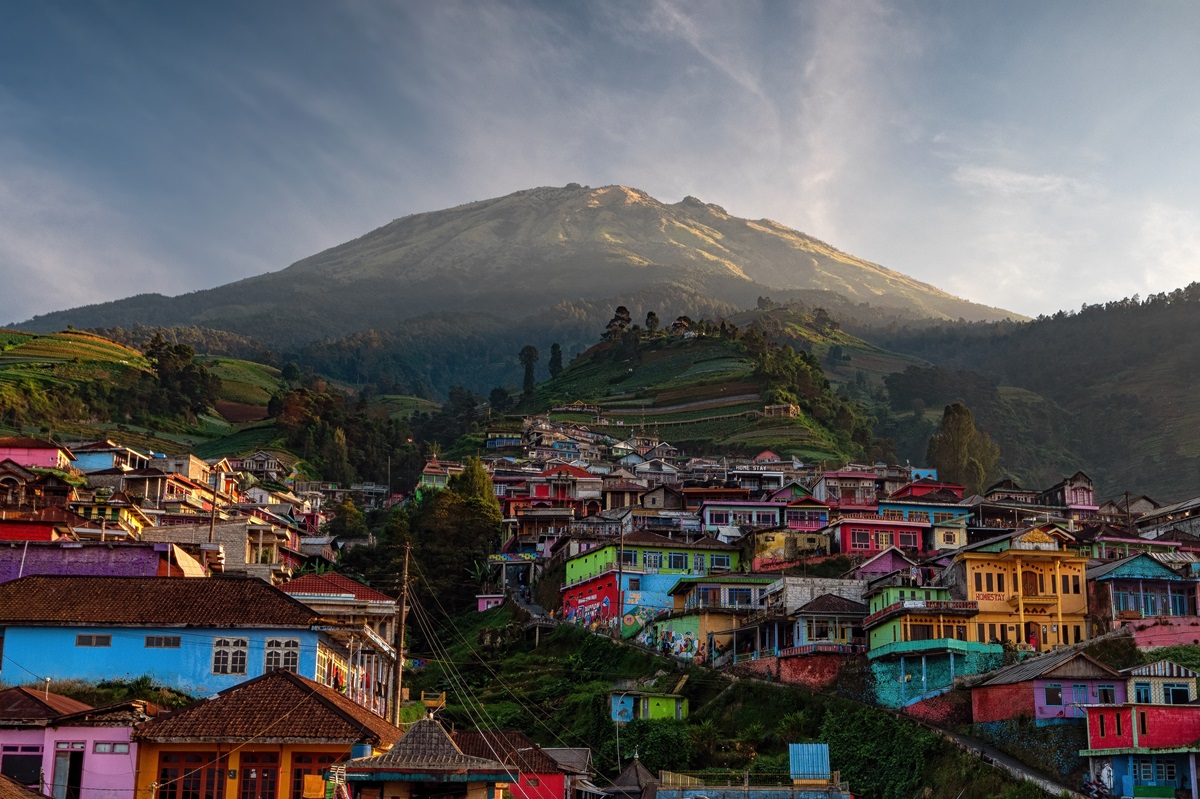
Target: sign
990 597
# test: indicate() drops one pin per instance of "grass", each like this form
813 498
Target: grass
401 406
245 382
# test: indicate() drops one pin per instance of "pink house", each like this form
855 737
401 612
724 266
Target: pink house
35 452
65 748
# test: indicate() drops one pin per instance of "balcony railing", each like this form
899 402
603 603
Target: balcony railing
719 604
954 606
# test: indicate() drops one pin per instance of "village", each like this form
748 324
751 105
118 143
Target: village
217 578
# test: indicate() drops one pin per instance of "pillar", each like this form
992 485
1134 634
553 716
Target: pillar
1059 593
1192 774
951 667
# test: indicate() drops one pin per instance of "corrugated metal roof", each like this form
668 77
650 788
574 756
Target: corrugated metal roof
1160 668
1087 667
809 761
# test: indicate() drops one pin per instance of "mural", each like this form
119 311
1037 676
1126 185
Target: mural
678 638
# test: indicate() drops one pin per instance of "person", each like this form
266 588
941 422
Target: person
1033 640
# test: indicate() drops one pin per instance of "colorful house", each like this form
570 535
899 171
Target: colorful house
1126 591
867 536
1144 750
25 714
273 737
1160 683
728 519
648 566
92 752
34 452
1030 588
636 704
1055 688
198 636
781 547
705 614
920 638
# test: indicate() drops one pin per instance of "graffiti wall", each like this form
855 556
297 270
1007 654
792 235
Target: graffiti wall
678 638
646 599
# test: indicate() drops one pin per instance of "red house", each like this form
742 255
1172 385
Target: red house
1144 750
871 535
594 599
539 775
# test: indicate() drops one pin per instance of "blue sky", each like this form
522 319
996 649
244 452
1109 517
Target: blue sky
1033 156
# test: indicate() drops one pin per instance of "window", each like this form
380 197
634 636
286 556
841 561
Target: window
1145 768
1053 694
907 540
283 654
1000 582
720 562
885 540
93 640
719 518
162 641
987 578
740 597
1106 694
860 539
1142 722
652 560
635 583
259 775
304 764
1117 718
1065 584
629 557
110 748
979 582
948 538
677 560
229 655
22 763
1141 693
1101 725
1164 770
1175 694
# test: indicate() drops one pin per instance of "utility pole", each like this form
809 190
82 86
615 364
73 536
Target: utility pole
398 672
620 586
212 517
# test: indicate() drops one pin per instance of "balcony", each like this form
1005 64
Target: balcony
694 603
1032 599
942 606
932 646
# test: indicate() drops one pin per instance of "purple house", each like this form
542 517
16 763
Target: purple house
1051 689
886 562
96 559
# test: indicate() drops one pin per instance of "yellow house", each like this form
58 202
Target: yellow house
1030 586
272 737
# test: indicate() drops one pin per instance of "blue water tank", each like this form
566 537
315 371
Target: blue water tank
360 750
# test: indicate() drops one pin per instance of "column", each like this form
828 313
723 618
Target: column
1058 592
1192 774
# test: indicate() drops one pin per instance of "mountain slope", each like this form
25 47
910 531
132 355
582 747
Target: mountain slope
519 253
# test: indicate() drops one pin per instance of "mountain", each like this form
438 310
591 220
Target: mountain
512 256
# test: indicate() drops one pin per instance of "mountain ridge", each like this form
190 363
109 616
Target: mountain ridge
516 253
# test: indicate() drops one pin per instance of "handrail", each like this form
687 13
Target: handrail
941 605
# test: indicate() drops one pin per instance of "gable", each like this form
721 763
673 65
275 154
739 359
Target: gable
1142 567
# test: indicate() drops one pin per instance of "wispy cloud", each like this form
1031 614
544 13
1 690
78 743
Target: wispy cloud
1009 182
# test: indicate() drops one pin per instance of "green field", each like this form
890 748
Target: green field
245 382
400 406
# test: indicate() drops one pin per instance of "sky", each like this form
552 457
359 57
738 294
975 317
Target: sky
1028 155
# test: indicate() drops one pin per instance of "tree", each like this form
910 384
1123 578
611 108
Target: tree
474 485
652 322
555 359
960 452
499 399
618 324
529 357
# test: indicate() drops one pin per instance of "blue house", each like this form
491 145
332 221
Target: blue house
198 635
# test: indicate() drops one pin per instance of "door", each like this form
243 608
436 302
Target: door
68 769
260 775
698 563
1029 583
1078 700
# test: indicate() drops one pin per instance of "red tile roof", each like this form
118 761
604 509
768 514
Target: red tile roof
648 539
165 601
427 748
28 704
333 584
276 707
11 789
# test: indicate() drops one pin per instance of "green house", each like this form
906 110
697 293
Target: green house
650 553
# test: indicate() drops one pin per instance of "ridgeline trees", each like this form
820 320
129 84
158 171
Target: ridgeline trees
528 357
960 452
556 364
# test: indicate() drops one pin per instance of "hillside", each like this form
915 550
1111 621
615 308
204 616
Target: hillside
706 394
514 255
1112 385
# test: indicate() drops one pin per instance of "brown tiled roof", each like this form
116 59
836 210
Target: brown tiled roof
122 714
333 584
11 789
833 604
210 602
510 747
28 704
427 747
275 707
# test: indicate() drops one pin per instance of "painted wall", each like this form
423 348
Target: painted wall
647 602
900 682
51 652
27 456
26 531
1074 694
1001 702
105 774
817 672
949 710
102 560
1165 726
680 638
1166 631
233 760
540 786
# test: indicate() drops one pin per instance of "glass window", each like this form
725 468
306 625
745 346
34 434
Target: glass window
979 582
652 560
987 578
93 640
229 655
1054 694
111 748
739 597
1142 722
719 518
720 561
1175 694
24 768
1101 720
283 654
1065 584
677 560
1000 582
1106 694
908 540
635 583
629 557
1141 693
860 539
1145 769
163 641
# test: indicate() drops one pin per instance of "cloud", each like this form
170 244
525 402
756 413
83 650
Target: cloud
1009 182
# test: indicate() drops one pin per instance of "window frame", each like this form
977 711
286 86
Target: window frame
230 647
93 640
285 650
